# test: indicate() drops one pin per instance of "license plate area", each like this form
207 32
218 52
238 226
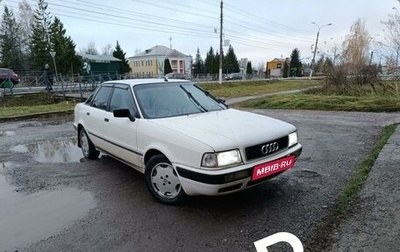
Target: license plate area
270 168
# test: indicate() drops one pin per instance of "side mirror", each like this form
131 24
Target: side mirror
223 102
122 113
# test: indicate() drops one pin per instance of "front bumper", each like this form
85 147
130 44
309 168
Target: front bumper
221 182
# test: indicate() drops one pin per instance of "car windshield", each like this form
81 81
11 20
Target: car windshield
174 99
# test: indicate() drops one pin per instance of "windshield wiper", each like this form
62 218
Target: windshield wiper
220 101
191 97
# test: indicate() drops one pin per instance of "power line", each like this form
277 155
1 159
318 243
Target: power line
165 24
252 16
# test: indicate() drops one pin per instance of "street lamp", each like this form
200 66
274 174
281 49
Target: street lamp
316 41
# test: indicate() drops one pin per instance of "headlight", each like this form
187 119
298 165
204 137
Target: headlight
292 139
220 159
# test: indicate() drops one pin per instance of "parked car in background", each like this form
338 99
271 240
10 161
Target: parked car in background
234 76
184 140
175 76
8 74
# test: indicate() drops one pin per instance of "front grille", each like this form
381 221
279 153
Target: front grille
267 148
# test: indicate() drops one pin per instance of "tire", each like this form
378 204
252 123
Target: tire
87 147
163 182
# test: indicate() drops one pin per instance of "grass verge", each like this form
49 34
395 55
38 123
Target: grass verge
248 88
33 104
323 236
367 103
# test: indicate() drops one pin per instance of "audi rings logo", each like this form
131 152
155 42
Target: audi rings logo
269 148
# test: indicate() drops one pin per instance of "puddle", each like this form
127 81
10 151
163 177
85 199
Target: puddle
29 218
7 133
62 151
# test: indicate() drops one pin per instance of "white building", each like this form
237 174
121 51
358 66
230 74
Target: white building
150 63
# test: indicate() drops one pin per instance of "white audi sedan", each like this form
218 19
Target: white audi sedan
184 140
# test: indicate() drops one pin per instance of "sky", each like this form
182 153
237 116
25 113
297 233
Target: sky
259 30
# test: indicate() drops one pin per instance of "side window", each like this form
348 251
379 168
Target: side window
122 98
101 98
89 100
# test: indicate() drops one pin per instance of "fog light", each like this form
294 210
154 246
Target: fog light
236 176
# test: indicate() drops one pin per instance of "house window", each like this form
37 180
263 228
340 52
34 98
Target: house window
279 65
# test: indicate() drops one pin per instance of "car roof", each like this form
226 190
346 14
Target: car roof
134 82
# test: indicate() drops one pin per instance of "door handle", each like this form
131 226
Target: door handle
106 119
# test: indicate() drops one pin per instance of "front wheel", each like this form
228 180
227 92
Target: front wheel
163 182
87 147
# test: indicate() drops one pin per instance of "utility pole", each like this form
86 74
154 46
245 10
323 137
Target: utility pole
220 44
316 45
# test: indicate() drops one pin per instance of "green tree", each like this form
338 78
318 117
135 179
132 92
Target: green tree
167 66
209 61
295 63
66 59
40 40
10 46
198 65
120 54
216 63
249 69
286 68
231 64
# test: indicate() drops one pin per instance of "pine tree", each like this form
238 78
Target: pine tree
249 69
295 63
231 64
198 65
66 59
120 54
216 64
167 67
40 41
10 44
209 61
286 66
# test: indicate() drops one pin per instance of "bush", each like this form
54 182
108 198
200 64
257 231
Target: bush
351 80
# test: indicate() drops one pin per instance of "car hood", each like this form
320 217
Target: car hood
228 129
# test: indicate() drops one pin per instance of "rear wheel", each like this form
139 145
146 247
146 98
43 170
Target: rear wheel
87 147
162 181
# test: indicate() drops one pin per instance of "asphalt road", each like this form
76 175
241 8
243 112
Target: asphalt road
54 200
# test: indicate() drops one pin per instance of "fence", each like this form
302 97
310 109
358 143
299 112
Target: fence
33 82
